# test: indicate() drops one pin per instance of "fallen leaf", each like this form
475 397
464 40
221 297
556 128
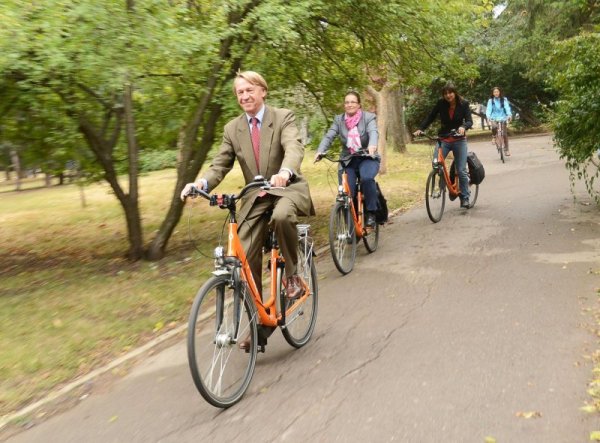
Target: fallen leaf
489 439
113 418
529 414
595 436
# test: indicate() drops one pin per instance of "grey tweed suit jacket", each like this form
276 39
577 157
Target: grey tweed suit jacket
280 147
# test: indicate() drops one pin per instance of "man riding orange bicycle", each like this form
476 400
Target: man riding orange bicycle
266 142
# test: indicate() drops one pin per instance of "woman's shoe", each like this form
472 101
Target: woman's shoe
371 221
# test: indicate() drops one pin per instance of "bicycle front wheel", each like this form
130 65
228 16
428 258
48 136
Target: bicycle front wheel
221 316
342 238
500 145
301 314
435 196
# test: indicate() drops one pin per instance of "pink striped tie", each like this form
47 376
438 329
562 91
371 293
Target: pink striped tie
255 134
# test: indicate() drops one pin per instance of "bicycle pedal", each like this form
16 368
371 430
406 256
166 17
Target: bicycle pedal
261 349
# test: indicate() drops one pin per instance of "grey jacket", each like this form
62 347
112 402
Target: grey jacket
367 128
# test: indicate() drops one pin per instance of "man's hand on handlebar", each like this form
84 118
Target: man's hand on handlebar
280 180
188 189
193 188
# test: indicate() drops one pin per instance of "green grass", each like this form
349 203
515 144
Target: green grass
70 301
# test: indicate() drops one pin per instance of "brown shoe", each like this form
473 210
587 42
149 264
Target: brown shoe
295 287
244 344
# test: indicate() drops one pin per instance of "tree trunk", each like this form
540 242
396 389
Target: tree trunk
135 232
16 163
103 149
304 135
47 179
193 153
381 101
81 194
395 129
186 173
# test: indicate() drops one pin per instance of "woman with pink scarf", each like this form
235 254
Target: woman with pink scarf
357 130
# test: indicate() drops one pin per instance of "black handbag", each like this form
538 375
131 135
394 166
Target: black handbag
381 215
475 167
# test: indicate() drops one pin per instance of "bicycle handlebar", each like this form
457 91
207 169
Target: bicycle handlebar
454 133
227 200
332 160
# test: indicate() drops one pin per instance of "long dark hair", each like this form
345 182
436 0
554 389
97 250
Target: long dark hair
449 87
499 90
501 96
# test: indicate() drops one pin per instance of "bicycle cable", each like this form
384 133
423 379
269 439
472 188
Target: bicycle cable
191 235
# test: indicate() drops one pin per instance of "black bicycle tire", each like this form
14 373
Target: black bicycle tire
474 194
337 239
312 298
500 144
197 377
428 196
371 239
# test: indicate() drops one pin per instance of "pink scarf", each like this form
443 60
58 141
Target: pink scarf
354 144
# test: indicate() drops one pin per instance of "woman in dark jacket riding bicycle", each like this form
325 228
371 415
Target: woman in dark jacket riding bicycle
455 114
357 130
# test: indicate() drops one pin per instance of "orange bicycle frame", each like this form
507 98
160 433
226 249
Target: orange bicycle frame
453 187
356 215
267 311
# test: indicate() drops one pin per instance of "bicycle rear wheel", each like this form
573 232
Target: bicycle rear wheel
221 316
371 238
474 194
301 315
342 238
435 196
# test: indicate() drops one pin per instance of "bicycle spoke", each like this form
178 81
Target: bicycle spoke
301 314
342 239
220 369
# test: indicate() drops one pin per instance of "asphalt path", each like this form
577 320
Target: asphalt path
472 328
